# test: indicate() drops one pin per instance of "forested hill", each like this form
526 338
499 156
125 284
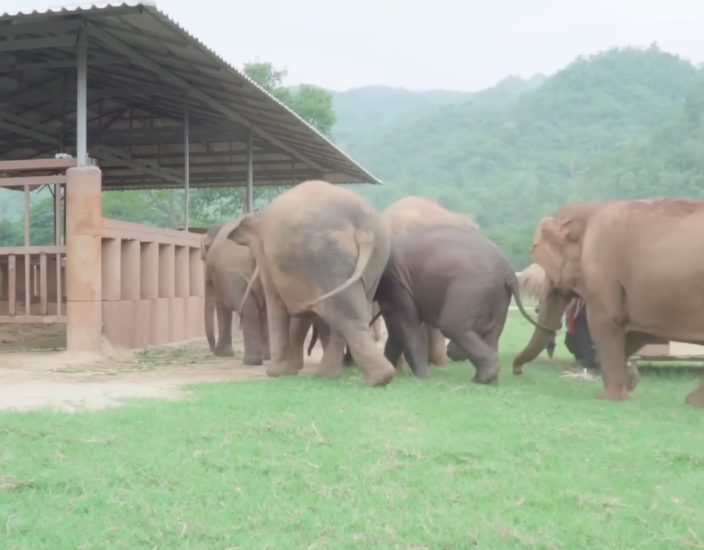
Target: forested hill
361 112
622 123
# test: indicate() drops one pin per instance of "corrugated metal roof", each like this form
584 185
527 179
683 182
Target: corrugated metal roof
141 27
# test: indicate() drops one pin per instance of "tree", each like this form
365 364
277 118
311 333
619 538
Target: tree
311 103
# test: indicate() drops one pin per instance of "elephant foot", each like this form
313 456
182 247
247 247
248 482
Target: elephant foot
487 376
267 356
517 369
225 351
696 398
252 360
275 370
380 375
610 394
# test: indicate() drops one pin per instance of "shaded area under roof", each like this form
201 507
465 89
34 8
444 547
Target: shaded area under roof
143 68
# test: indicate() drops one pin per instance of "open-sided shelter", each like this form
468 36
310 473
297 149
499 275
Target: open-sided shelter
116 97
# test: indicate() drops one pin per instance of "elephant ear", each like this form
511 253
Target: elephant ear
242 230
555 244
223 233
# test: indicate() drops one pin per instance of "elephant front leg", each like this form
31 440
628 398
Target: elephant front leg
224 316
610 342
251 334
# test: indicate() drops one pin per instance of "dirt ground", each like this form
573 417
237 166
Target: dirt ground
36 371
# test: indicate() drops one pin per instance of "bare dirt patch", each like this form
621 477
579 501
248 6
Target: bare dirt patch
33 378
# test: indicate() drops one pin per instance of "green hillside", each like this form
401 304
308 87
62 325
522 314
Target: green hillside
361 112
509 163
624 123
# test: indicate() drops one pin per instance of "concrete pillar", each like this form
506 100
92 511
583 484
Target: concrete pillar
84 326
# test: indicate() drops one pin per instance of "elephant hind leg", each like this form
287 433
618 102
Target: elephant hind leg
223 348
331 365
378 371
279 324
297 340
251 334
481 354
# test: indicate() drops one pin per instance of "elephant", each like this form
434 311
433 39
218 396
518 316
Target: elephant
638 265
410 213
456 280
320 250
228 270
322 331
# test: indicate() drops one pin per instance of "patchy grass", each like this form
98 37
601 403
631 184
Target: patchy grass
301 463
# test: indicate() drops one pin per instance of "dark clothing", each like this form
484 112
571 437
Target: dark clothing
579 342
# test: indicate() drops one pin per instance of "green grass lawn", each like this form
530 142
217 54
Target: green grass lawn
301 463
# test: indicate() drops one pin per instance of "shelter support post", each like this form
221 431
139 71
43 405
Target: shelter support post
82 99
250 173
84 326
186 167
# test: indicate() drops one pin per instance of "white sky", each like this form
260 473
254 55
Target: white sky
418 44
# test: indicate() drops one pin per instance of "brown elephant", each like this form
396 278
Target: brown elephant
228 270
638 265
453 279
408 214
320 249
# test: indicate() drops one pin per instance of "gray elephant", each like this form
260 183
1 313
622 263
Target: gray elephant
320 250
456 280
228 270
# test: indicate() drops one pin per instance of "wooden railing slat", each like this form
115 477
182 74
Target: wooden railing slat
43 287
12 285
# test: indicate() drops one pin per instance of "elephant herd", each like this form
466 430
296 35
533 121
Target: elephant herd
320 255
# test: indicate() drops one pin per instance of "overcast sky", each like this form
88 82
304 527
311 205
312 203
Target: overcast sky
427 44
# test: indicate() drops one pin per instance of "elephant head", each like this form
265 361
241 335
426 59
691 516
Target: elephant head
557 248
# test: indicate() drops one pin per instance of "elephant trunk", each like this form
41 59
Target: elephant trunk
209 312
552 307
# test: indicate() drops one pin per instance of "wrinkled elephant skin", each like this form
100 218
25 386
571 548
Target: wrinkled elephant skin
319 249
228 270
411 213
639 266
453 279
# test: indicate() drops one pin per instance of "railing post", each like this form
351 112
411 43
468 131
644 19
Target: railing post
83 259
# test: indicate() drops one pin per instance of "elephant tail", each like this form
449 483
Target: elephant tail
513 287
209 311
313 338
252 280
375 317
365 242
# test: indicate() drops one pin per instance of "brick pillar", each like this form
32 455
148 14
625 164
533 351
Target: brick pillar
83 259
